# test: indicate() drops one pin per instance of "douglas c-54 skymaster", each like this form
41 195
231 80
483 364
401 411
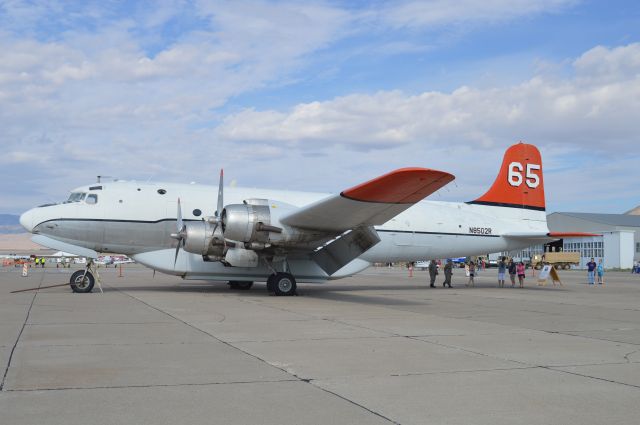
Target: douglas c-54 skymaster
283 237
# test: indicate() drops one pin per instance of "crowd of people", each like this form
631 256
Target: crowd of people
515 270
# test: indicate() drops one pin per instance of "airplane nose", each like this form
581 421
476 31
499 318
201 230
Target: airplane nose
26 220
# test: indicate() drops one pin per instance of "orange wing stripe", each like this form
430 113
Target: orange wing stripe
403 186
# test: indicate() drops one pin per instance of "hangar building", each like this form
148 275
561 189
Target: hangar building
619 245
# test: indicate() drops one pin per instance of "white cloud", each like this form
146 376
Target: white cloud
609 65
579 111
107 88
431 13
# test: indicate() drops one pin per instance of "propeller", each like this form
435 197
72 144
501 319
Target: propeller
180 234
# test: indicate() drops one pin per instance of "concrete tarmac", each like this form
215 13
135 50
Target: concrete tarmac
379 347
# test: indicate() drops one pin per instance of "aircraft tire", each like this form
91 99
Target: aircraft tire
270 284
78 285
284 284
240 284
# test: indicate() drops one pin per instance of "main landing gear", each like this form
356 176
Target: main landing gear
282 284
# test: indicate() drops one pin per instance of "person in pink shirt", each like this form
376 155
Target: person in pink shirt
520 271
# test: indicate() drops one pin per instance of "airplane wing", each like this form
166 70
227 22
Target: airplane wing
371 203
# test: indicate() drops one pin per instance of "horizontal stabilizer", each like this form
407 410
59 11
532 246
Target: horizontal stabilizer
539 236
559 235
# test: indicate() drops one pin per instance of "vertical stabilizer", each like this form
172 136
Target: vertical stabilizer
520 183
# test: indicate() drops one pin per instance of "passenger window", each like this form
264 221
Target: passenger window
92 199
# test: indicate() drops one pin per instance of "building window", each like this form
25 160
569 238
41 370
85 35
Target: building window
638 247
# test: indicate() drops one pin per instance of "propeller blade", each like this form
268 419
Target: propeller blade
220 195
175 260
179 217
180 234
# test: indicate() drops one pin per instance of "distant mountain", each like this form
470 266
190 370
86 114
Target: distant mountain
634 211
10 223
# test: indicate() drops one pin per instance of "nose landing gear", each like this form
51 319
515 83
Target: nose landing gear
83 281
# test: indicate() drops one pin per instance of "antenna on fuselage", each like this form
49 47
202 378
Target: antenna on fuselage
103 177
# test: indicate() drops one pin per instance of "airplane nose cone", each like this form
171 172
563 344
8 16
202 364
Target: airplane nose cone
26 220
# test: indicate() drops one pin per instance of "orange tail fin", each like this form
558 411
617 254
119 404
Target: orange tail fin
519 183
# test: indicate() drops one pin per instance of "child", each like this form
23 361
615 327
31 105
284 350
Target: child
472 272
591 271
600 271
520 270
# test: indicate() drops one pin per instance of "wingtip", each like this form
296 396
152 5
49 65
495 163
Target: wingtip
402 186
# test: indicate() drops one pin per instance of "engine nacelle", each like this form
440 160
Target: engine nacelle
199 235
247 223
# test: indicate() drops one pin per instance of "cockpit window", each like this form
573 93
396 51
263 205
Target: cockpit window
76 197
92 199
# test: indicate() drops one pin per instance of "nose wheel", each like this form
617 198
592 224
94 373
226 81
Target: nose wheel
82 281
282 284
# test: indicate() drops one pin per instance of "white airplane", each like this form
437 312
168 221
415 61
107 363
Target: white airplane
108 260
284 237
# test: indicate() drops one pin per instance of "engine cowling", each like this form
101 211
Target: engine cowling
247 223
198 238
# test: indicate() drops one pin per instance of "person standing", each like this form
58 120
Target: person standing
520 270
502 269
512 272
600 271
591 271
433 271
448 271
472 273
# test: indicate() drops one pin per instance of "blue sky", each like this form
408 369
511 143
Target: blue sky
319 95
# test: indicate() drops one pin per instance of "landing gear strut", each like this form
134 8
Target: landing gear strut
282 284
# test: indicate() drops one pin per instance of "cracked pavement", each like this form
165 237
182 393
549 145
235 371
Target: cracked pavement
379 347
